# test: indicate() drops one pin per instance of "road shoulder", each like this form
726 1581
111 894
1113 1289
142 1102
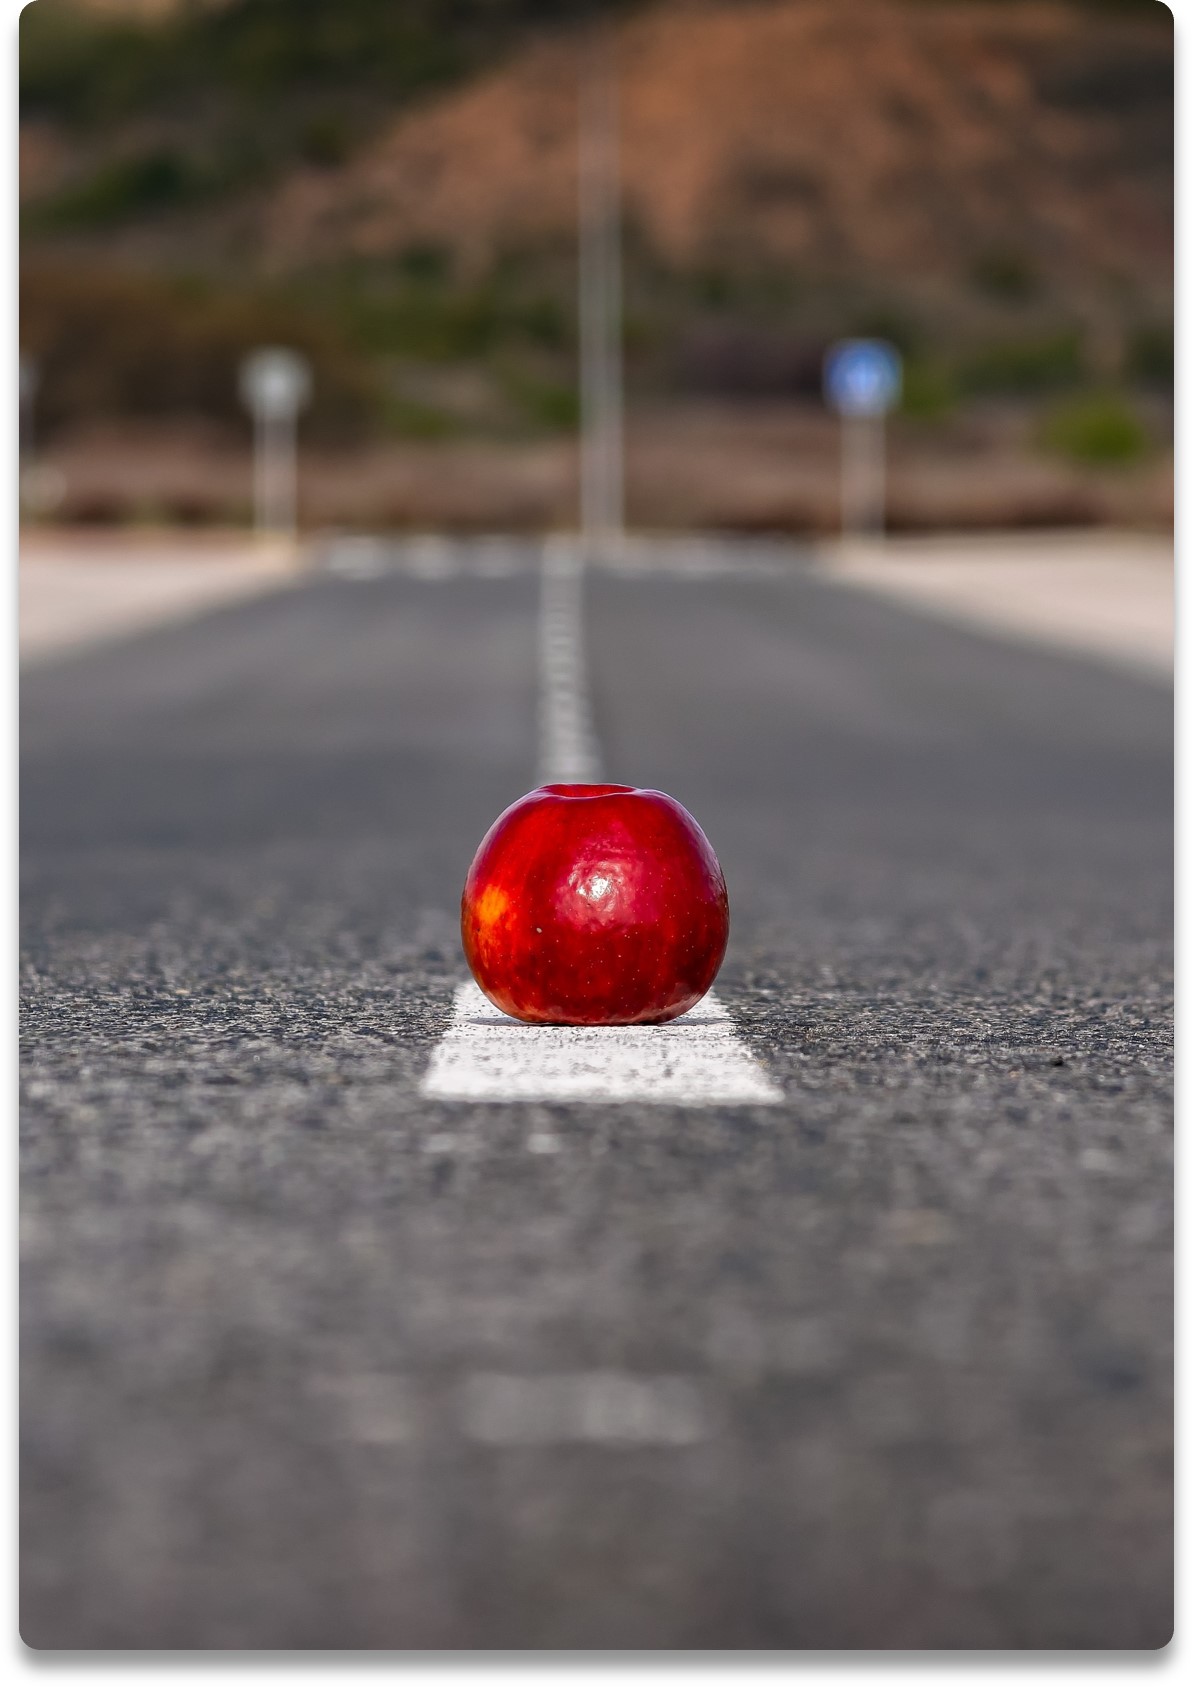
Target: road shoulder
81 589
1102 593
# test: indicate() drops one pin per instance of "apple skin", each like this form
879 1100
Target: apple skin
595 905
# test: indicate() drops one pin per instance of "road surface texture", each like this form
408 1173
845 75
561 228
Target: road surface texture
313 1361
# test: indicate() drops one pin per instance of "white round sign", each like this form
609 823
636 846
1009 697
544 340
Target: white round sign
275 382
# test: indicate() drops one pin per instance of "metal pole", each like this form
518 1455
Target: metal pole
275 383
276 473
863 475
602 494
260 471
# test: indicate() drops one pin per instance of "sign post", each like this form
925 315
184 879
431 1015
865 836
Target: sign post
275 384
862 381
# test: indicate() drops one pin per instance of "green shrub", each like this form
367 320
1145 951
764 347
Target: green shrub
553 406
1100 428
929 391
1025 365
1150 355
1004 275
409 418
426 263
545 321
714 288
413 309
160 180
325 140
889 325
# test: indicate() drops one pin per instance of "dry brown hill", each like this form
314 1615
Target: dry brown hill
838 136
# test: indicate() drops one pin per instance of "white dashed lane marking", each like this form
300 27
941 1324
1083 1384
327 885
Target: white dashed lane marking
612 1408
696 1060
568 749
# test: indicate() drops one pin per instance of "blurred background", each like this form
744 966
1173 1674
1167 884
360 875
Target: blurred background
390 189
886 1364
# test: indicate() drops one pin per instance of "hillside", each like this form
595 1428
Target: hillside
834 135
393 188
854 139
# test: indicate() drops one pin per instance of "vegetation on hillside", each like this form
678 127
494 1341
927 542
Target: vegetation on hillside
200 102
165 121
255 60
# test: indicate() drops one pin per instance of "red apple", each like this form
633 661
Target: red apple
595 905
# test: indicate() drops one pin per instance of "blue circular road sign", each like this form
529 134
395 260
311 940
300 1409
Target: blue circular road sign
862 377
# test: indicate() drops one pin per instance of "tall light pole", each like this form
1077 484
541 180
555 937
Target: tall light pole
568 746
602 485
274 386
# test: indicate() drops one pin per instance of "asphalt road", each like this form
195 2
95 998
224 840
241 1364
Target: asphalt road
299 1345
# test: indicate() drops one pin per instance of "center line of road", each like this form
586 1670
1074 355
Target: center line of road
610 1408
697 1060
568 751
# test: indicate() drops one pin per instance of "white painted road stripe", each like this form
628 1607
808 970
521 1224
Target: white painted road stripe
568 751
430 556
611 1408
696 1060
